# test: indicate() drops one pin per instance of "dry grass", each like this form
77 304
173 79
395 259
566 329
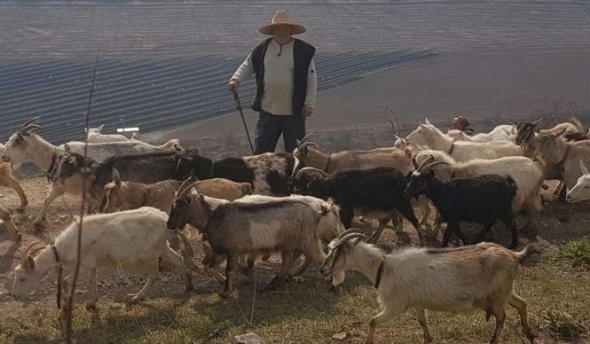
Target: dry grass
304 311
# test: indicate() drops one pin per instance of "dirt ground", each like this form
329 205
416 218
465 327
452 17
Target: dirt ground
117 285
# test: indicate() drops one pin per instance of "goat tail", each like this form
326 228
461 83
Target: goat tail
173 145
576 122
527 251
513 186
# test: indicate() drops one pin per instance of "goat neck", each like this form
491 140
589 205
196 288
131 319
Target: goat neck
318 159
558 152
435 190
44 260
41 152
203 168
366 259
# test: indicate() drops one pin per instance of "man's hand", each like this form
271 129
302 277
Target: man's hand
233 86
307 110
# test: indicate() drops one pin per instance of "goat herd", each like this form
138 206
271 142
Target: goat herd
302 204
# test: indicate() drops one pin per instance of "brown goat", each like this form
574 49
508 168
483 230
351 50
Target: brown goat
6 179
6 217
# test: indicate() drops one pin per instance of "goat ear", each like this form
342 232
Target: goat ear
408 153
67 148
561 132
29 263
427 121
583 168
100 128
116 177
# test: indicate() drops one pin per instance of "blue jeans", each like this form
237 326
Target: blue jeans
269 127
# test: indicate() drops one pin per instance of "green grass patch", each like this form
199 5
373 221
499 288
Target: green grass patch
577 251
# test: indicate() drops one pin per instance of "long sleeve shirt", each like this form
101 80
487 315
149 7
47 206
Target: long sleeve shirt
278 79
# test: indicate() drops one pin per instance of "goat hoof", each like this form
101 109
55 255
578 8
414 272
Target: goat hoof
334 289
91 307
233 294
39 225
135 299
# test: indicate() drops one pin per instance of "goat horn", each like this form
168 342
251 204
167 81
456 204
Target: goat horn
512 121
305 144
313 169
186 185
190 186
350 236
538 121
350 230
29 122
431 165
30 246
428 160
304 138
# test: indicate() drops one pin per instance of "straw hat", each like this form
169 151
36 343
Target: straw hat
460 122
282 18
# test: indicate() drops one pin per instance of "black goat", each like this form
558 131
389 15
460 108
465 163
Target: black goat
376 192
483 199
267 173
141 168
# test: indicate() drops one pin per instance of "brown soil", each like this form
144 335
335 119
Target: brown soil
118 284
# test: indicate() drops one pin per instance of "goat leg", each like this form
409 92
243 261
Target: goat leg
377 233
387 314
153 275
55 191
422 320
518 303
484 232
500 316
228 290
451 227
91 304
8 180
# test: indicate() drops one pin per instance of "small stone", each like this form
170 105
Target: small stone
249 338
340 335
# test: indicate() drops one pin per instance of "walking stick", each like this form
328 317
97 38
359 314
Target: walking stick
239 107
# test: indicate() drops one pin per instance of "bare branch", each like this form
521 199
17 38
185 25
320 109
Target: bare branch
68 308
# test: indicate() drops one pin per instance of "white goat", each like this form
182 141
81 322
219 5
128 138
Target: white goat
427 135
26 146
581 191
526 173
562 158
133 237
503 132
452 280
95 135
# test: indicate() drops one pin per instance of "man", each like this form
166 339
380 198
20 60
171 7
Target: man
286 84
461 123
